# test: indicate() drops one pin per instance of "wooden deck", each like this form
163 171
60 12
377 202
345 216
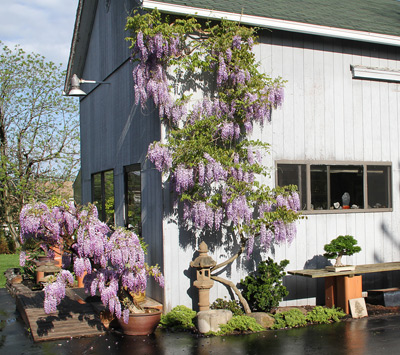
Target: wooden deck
359 270
74 317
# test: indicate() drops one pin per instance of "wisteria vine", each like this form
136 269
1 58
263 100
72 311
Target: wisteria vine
114 261
208 156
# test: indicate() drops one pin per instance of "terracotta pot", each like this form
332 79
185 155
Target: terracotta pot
79 280
141 323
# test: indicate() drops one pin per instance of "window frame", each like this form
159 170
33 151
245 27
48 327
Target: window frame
329 163
103 216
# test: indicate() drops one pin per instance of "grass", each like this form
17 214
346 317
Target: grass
7 261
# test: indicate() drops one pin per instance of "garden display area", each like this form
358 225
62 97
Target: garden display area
82 315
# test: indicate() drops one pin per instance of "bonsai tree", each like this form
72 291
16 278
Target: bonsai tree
204 79
342 245
113 260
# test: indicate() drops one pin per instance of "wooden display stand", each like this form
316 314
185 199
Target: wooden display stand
340 289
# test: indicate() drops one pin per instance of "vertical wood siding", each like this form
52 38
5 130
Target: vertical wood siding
116 133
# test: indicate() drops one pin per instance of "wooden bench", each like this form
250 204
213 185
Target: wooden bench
342 286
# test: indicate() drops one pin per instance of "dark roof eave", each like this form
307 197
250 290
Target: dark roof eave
85 16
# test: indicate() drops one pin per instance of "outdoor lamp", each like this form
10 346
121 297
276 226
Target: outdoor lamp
76 85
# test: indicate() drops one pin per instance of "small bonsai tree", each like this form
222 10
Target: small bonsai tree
342 245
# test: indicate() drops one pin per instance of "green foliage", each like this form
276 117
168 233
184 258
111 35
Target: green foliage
342 245
240 324
263 289
290 319
232 305
180 318
324 315
39 133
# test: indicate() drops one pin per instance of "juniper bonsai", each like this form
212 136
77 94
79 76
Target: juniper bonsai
342 245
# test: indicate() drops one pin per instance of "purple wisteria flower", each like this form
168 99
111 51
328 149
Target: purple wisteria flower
113 261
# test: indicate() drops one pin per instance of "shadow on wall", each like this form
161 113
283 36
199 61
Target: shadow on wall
225 245
384 279
301 287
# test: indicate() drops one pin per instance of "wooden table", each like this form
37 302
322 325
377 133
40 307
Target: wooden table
342 286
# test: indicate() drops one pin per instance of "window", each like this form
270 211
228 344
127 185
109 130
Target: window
103 195
337 186
133 198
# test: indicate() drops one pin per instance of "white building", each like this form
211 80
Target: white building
338 131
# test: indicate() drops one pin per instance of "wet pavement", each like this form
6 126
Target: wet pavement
373 335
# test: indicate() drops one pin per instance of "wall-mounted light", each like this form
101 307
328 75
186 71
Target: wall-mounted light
76 85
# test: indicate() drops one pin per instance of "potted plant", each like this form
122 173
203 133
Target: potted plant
342 245
114 261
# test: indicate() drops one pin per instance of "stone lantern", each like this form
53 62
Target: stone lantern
203 264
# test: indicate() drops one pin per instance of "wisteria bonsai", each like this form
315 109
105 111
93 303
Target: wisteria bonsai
113 260
204 80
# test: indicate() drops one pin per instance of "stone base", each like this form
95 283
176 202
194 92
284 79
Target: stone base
263 319
209 321
388 297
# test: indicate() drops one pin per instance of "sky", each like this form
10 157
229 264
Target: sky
41 26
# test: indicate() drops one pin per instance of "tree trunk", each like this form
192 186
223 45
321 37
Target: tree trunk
236 290
230 283
339 260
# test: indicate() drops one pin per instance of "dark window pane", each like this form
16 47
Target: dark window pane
109 197
97 200
319 187
133 198
294 174
378 186
103 195
347 178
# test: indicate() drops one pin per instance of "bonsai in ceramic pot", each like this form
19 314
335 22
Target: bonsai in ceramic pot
337 248
114 261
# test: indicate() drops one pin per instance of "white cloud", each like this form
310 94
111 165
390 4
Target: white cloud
41 26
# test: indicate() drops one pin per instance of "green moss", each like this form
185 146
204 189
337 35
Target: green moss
290 319
180 318
232 305
324 315
241 324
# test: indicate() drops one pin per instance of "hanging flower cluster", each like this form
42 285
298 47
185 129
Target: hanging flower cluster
114 261
211 162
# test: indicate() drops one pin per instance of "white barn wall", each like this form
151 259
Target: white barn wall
326 115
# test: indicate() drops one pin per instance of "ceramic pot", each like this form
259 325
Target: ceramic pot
141 323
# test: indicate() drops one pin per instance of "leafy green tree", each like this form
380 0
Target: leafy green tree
39 132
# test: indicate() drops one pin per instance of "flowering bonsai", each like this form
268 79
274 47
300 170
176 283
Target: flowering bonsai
113 260
205 81
342 245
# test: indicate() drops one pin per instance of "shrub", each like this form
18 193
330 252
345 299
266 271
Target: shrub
180 318
263 289
290 319
241 324
232 305
4 246
324 315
